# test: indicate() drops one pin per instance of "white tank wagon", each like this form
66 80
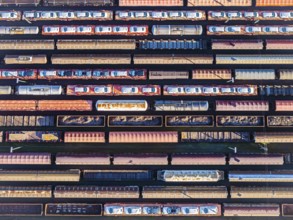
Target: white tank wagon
261 192
82 159
6 90
113 44
15 30
27 44
177 30
97 192
286 74
90 59
255 74
25 191
190 175
256 159
39 90
170 105
254 59
261 176
40 175
172 59
184 192
121 105
25 158
25 59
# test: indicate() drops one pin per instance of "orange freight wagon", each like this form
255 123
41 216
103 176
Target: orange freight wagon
261 3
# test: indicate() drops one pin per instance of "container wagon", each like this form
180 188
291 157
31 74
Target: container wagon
40 175
256 159
73 209
139 3
25 59
21 209
261 192
18 74
273 137
172 59
79 2
118 175
81 121
161 75
96 44
133 74
104 90
261 176
27 44
33 136
121 105
82 159
19 2
84 137
215 136
25 159
190 175
247 209
177 30
140 159
254 59
255 74
237 44
137 90
184 192
239 105
143 137
183 105
50 74
135 121
212 74
16 30
90 59
198 159
236 3
25 192
278 3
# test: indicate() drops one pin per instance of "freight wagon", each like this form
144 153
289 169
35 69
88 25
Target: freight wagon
25 192
105 90
133 74
280 121
33 136
25 158
21 209
27 44
73 209
238 3
135 121
286 74
79 2
261 176
82 159
213 136
183 105
198 159
137 90
283 105
121 105
237 44
278 3
261 192
273 137
212 74
279 44
64 73
84 137
239 105
15 30
38 90
172 44
25 74
189 121
10 15
25 59
140 159
256 159
161 75
19 2
118 175
255 74
138 3
254 59
80 121
177 30
240 121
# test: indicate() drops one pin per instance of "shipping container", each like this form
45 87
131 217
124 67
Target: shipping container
97 192
84 137
284 105
25 59
279 44
40 175
80 121
183 105
65 105
27 44
82 159
135 121
96 44
172 59
190 175
139 3
117 175
273 137
264 192
212 74
184 192
143 137
25 191
240 105
189 121
33 136
121 105
26 121
79 2
287 210
18 105
256 159
280 121
261 176
241 3
90 59
240 121
248 209
25 158
278 3
215 136
16 30
255 74
254 59
160 75
276 90
21 209
237 44
38 90
172 44
198 159
286 74
73 209
140 159
177 30
19 2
